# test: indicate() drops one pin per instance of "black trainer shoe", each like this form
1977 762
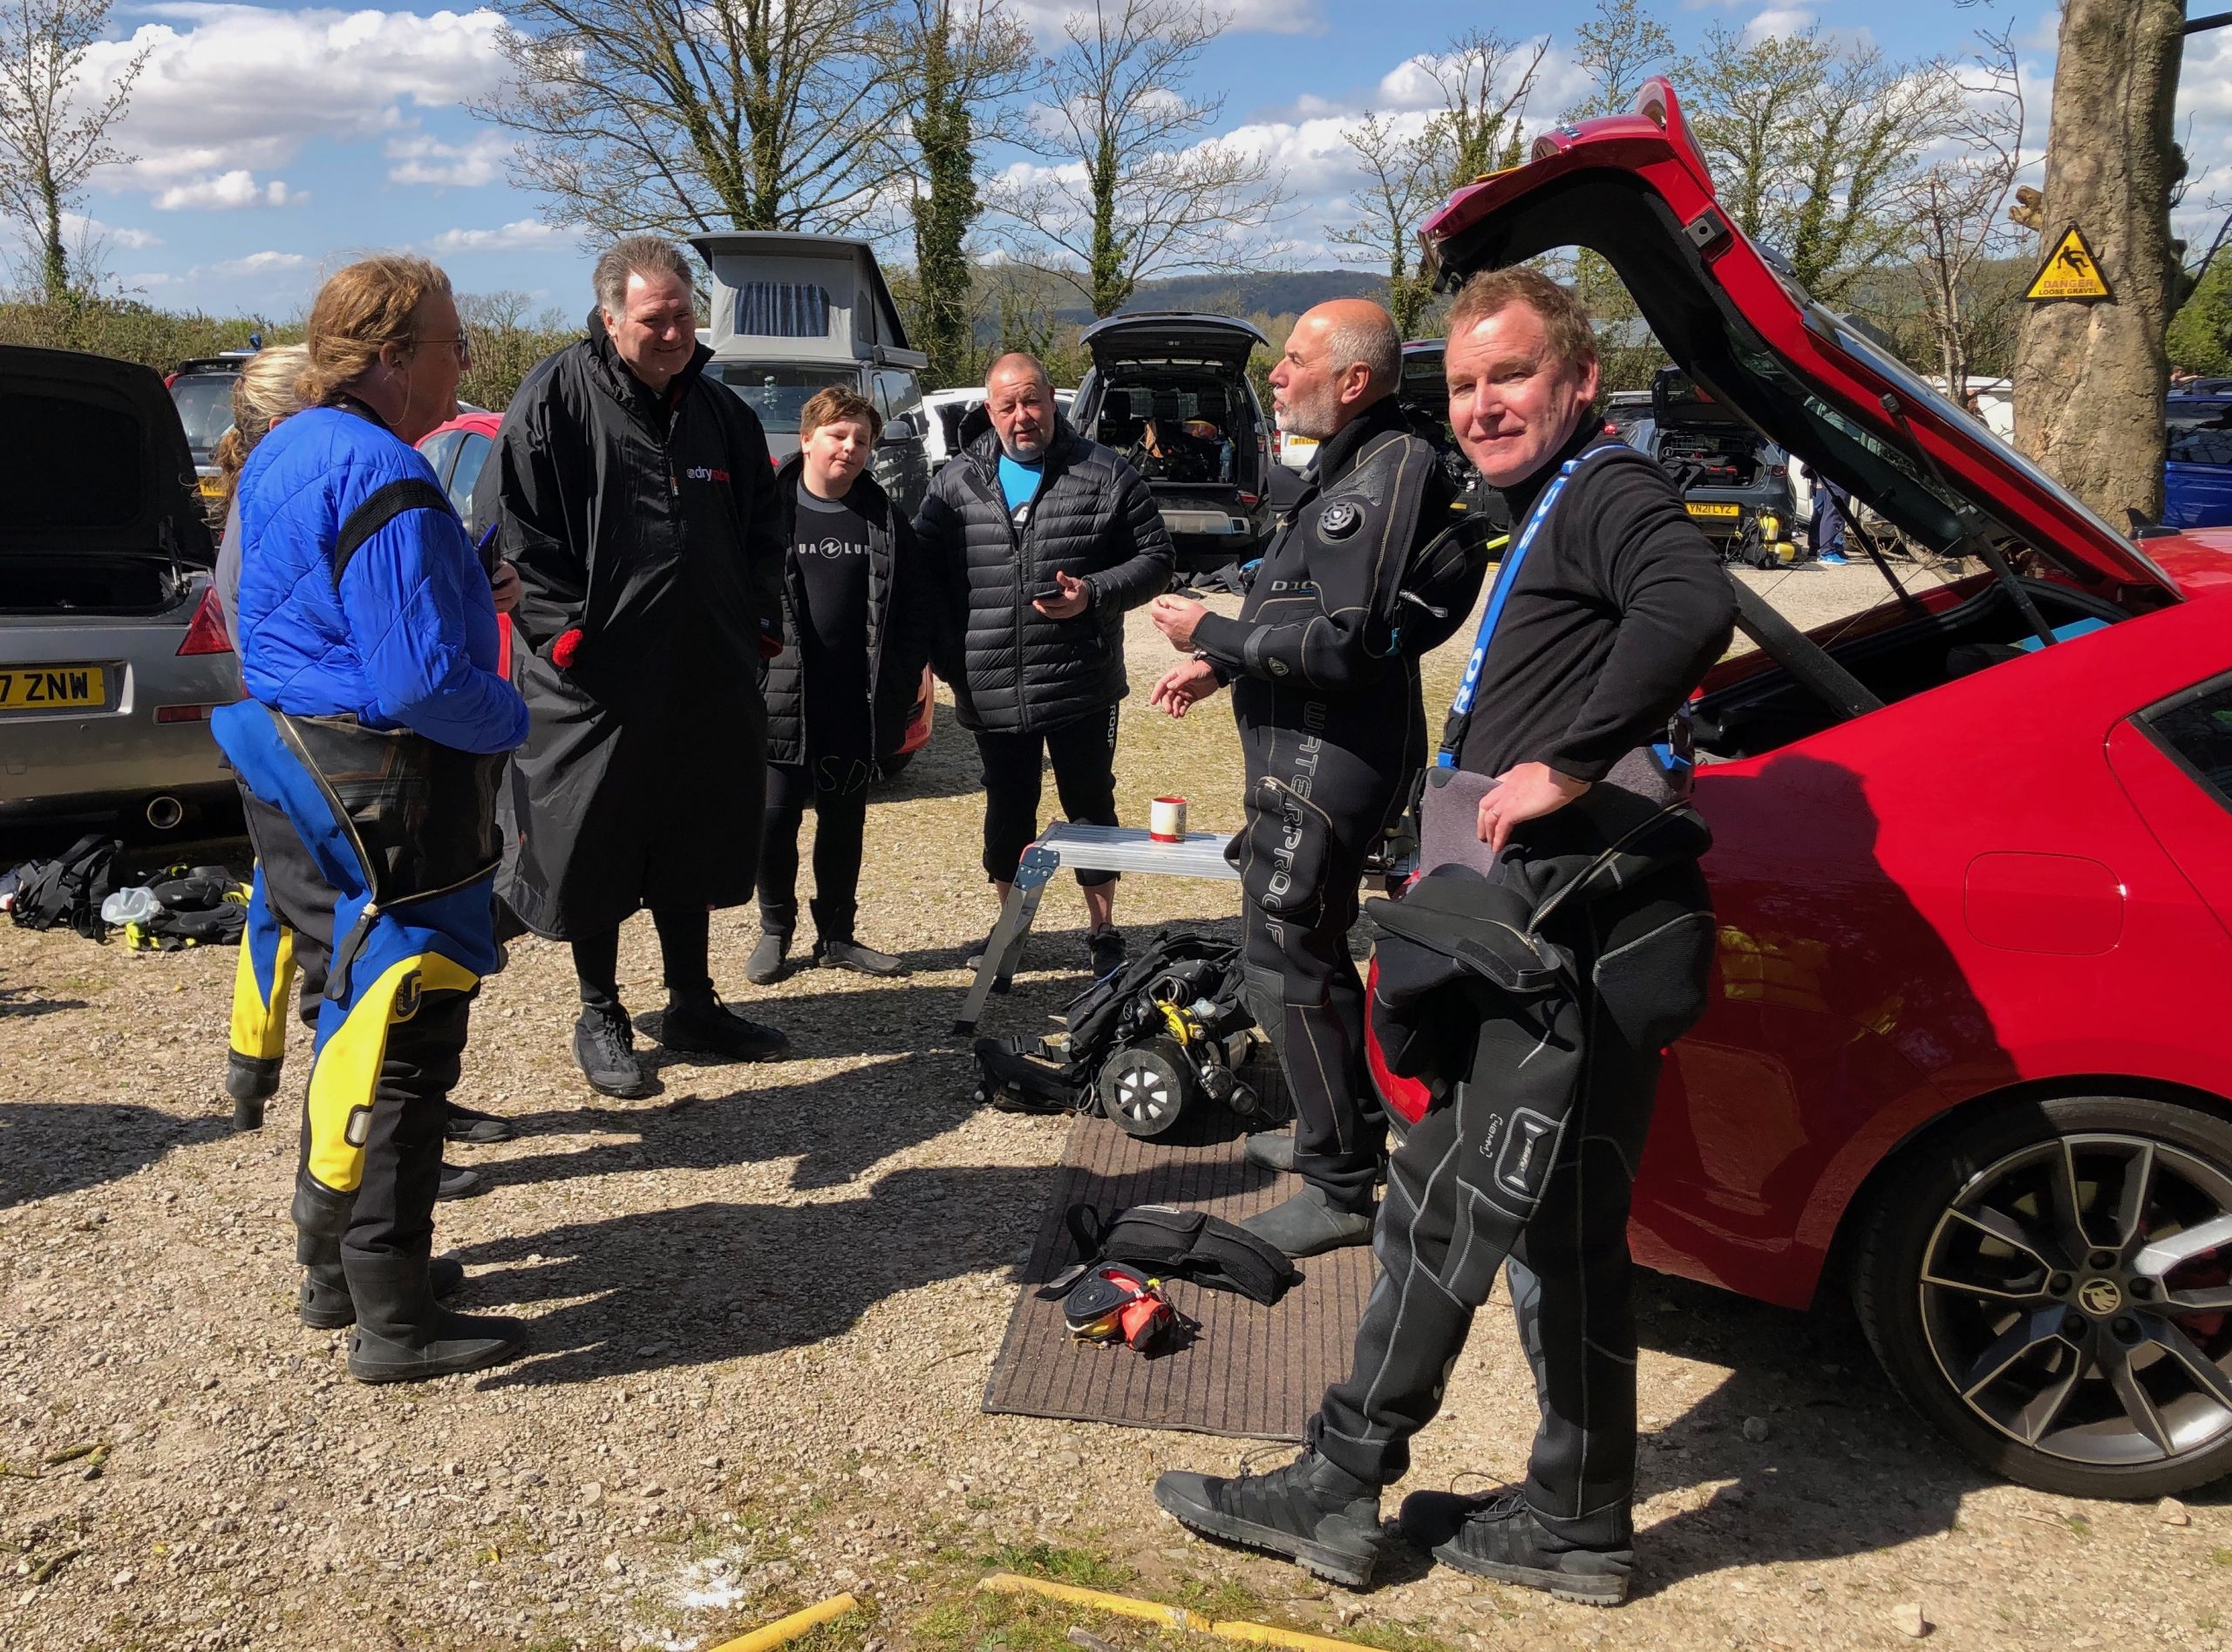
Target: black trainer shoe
604 1048
696 1026
851 955
1313 1513
766 964
470 1125
458 1182
1494 1535
1306 1223
1273 1149
1106 949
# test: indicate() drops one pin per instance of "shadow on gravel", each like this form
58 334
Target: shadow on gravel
716 1282
835 1127
53 1147
1844 1468
18 1001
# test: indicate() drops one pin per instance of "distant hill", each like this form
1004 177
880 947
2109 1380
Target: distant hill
1276 292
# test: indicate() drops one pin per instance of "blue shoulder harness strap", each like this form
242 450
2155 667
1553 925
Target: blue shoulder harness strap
1460 709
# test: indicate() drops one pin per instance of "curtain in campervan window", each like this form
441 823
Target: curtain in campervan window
782 309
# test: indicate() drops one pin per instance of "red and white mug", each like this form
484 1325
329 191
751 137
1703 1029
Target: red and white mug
1166 820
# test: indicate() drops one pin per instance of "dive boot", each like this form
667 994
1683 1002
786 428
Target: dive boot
471 1124
700 1024
250 1082
403 1336
1316 1515
325 1302
1496 1535
1273 1149
851 955
769 960
1306 1223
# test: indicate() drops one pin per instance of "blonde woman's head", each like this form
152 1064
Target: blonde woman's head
265 392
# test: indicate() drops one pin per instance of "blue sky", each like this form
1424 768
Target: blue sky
272 143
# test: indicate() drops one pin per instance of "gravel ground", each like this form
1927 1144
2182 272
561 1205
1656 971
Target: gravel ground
764 1307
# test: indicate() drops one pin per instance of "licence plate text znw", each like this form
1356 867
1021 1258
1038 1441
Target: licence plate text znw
35 686
1714 509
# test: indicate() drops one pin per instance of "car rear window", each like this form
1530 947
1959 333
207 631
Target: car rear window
777 394
87 456
205 407
2201 441
2195 728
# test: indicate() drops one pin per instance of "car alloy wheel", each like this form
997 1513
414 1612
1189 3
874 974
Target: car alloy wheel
2057 1296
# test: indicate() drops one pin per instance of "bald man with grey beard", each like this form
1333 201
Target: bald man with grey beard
1324 665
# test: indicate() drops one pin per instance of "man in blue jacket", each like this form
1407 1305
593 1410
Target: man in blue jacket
370 749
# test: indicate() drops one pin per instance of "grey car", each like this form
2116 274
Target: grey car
112 648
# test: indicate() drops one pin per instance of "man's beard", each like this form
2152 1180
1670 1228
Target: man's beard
1313 420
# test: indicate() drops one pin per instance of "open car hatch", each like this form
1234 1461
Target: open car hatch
1635 188
1212 340
101 461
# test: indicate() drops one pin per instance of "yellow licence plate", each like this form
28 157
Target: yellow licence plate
32 687
210 487
1716 510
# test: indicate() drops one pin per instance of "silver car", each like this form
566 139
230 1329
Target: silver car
113 648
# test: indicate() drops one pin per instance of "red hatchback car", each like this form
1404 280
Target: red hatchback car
1970 1043
459 448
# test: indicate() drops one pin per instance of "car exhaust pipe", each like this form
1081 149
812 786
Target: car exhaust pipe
165 811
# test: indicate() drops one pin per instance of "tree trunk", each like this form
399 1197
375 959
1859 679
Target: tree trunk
2090 377
944 132
56 257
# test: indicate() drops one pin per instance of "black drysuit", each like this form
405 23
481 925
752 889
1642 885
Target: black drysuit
1547 1080
1323 663
650 549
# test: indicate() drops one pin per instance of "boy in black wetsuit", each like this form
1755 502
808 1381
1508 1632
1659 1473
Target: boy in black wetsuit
1608 609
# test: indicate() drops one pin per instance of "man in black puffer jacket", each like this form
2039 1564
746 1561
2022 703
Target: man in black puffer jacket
1040 540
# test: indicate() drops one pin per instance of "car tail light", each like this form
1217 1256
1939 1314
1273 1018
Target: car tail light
205 632
1777 470
183 713
1249 500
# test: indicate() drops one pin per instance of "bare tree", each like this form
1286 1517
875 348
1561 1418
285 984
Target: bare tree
53 126
1618 47
1139 190
1485 82
1402 185
1816 148
684 116
1960 210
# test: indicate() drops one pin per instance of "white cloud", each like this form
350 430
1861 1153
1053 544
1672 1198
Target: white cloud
421 159
521 235
1778 21
226 192
1046 17
263 263
230 88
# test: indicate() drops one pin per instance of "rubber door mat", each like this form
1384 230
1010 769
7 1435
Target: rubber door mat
1249 1371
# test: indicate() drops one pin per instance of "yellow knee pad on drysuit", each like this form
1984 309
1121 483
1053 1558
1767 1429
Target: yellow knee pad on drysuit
262 983
346 1069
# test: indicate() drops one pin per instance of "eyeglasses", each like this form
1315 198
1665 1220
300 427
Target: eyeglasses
462 344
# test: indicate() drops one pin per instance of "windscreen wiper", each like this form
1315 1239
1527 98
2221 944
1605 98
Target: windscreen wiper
1965 523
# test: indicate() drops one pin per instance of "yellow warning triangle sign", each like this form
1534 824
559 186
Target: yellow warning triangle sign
2071 271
